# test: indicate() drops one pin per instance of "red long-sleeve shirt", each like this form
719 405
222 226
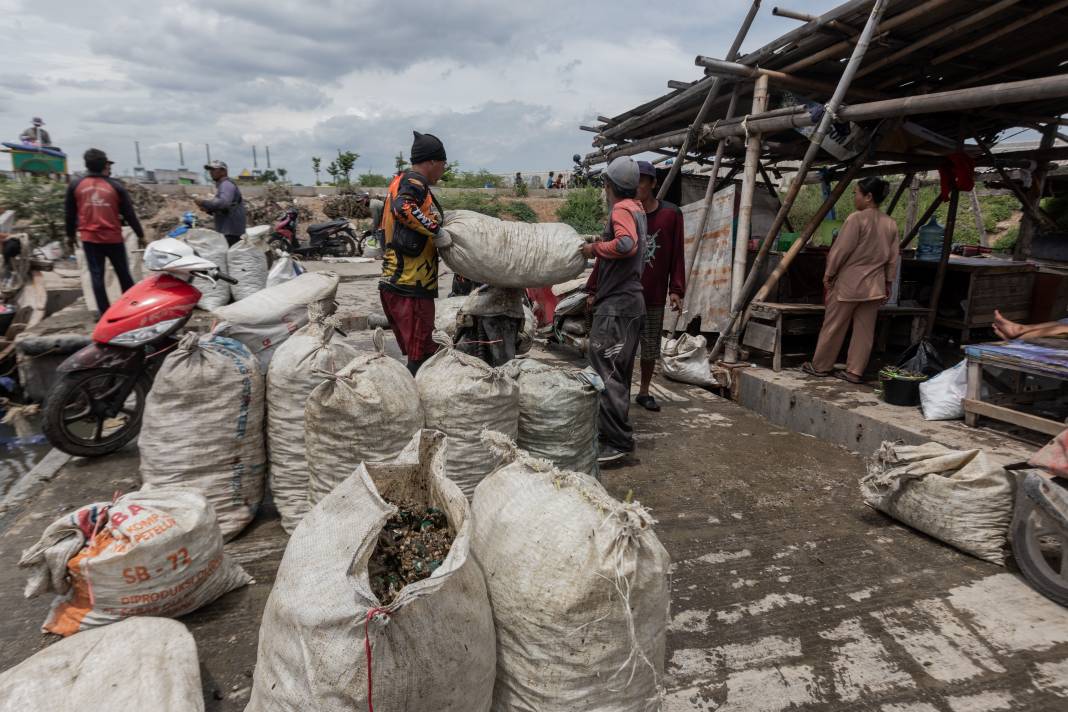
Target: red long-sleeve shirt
665 255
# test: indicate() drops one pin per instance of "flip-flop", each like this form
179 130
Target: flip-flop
808 368
848 377
648 402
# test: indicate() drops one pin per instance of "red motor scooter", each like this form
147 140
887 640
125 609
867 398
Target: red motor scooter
96 405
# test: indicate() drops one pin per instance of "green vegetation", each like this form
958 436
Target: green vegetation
455 178
584 210
490 205
995 209
36 201
373 180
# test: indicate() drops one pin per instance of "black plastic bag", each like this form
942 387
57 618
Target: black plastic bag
921 357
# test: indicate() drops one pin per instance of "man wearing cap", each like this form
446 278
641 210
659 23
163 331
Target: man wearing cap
35 134
227 206
618 305
664 273
412 235
94 209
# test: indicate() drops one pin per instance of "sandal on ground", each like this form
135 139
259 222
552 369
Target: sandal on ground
648 402
808 368
848 377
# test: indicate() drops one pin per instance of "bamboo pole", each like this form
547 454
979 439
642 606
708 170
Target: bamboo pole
967 20
994 34
745 209
1005 68
913 206
947 244
1038 184
810 156
722 68
706 105
905 180
977 213
710 190
1027 90
1035 212
915 229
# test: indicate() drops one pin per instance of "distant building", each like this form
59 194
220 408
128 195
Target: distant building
172 176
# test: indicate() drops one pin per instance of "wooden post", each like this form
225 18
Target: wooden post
1038 183
905 181
810 155
977 213
915 229
947 244
913 205
745 208
702 113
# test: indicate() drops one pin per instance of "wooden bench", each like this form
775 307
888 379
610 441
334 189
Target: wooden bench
770 321
1046 358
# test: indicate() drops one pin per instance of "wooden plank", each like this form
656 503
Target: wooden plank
1008 415
974 389
760 336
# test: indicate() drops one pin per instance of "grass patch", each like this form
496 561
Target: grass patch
490 205
584 210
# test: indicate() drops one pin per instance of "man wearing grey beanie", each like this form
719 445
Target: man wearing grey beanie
615 287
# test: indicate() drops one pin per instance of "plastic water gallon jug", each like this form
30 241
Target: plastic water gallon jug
930 244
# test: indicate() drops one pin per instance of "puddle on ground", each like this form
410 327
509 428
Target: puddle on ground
19 455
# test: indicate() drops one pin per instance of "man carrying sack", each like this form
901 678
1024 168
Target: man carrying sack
412 235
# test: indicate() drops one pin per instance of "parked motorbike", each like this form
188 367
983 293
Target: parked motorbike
583 176
335 238
1039 532
96 406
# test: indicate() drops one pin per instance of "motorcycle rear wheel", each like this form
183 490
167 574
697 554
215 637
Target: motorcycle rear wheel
349 245
81 417
1040 548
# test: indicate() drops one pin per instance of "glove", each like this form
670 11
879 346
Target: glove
443 239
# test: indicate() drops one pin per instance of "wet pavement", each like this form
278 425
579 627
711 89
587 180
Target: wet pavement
788 592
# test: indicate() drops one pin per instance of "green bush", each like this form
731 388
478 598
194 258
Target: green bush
1007 241
584 210
474 179
490 205
36 201
373 180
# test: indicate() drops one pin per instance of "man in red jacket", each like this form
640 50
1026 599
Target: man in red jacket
95 208
664 274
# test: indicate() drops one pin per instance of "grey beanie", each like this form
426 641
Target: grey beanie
623 171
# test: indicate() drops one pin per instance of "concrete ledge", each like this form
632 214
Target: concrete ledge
855 418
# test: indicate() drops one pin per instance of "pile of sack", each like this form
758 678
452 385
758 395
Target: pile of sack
246 261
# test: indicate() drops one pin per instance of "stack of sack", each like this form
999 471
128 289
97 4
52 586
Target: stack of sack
462 396
154 553
578 585
296 368
247 262
203 427
326 642
367 411
213 247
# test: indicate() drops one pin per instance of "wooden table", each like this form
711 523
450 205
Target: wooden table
1044 357
770 321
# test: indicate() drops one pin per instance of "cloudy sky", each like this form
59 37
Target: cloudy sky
504 84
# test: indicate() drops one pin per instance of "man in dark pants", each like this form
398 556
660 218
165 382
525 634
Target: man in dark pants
95 207
226 207
412 237
618 305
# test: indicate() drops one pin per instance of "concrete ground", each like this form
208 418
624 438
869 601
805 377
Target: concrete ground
788 592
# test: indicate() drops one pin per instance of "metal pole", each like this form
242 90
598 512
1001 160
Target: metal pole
745 209
710 190
810 155
702 113
947 243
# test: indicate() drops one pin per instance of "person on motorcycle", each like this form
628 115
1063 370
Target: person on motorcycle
227 206
95 208
412 236
618 305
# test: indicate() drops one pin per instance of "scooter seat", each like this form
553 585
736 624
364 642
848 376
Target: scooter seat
327 226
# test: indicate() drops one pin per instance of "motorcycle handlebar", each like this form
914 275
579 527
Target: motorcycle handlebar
225 277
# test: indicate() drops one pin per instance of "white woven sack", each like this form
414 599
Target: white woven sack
284 269
296 369
445 313
578 584
247 264
267 318
137 664
685 359
213 247
203 427
367 411
558 410
432 648
942 397
155 553
462 396
961 497
512 254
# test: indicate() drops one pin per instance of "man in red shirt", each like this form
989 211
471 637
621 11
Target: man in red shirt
664 274
95 208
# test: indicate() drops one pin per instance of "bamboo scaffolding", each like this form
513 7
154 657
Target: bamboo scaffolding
994 34
726 68
706 105
829 116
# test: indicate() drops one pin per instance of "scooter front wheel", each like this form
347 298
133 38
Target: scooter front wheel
83 414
